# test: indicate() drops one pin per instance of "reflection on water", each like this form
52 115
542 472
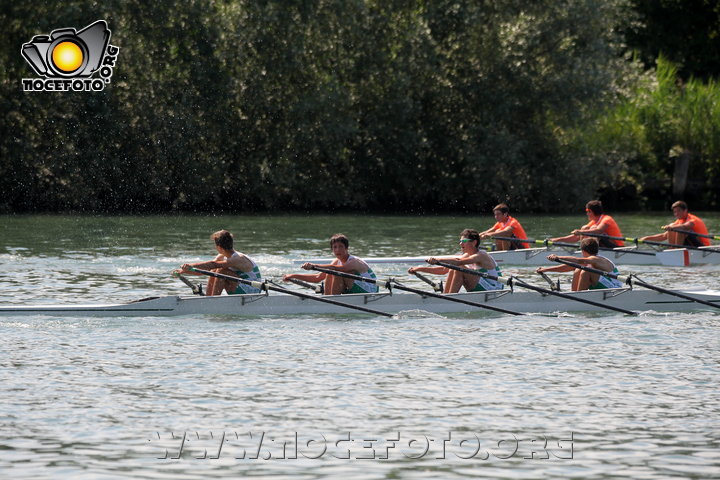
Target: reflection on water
490 396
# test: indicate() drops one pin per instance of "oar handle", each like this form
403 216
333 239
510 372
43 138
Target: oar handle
553 286
437 287
316 288
196 288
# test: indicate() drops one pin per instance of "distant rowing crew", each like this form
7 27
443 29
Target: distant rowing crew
687 229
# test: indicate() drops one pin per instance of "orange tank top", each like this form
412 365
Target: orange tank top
517 229
698 227
612 228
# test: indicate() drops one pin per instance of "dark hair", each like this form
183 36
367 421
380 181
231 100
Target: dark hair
680 204
339 237
223 239
502 207
595 206
472 235
590 245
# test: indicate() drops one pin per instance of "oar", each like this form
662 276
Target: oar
196 288
629 280
318 288
437 287
553 286
264 286
514 280
649 242
548 243
390 285
711 237
544 243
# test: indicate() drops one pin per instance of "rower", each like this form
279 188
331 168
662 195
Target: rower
344 262
227 262
506 226
584 280
599 223
684 221
473 258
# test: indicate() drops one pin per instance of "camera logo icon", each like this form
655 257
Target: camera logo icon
68 54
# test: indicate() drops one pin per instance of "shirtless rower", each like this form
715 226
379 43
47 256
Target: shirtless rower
582 279
506 226
344 262
472 258
599 224
227 262
686 221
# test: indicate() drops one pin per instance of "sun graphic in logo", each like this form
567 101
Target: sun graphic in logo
67 56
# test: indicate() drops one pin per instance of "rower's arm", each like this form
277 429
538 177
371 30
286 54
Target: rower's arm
558 268
349 267
433 270
211 265
507 231
567 239
450 260
599 230
579 260
660 237
680 226
306 277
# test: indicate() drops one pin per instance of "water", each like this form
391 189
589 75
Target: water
569 396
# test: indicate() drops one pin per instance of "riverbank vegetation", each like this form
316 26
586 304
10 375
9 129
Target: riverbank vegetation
399 106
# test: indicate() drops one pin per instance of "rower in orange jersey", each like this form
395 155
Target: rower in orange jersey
599 224
686 221
506 226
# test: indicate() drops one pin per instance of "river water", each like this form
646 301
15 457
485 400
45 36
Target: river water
339 396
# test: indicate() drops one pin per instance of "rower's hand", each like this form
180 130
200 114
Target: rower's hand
540 270
308 266
552 257
432 260
667 227
577 231
287 277
412 269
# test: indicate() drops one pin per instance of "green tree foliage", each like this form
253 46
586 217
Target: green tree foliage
647 136
242 105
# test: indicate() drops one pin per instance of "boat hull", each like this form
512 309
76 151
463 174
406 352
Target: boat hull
538 257
283 304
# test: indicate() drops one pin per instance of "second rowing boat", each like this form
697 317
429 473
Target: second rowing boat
678 257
